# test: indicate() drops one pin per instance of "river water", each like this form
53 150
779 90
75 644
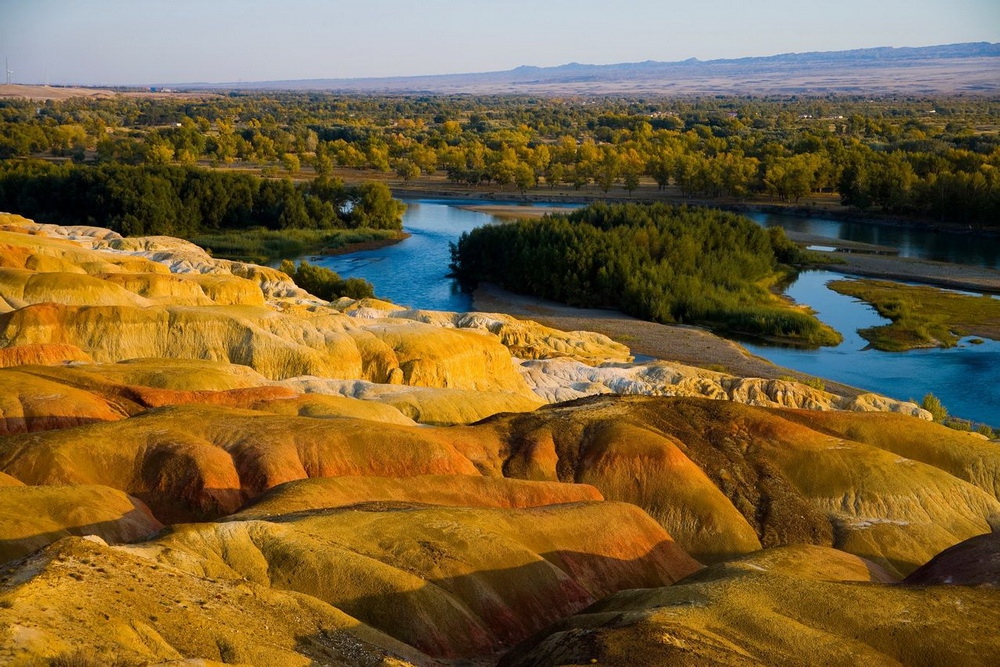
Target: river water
965 378
957 248
415 272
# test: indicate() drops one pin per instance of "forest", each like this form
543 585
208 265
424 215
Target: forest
663 263
185 201
932 160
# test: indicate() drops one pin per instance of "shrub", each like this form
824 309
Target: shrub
324 283
815 383
932 404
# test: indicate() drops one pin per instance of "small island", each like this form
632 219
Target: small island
922 316
667 264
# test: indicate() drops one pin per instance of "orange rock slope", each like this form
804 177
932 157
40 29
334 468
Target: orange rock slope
724 479
201 462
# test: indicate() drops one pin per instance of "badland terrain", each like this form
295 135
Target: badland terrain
201 461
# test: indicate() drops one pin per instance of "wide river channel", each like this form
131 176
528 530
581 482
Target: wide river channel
966 378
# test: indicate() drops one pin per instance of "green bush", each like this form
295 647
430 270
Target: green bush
324 283
932 404
815 383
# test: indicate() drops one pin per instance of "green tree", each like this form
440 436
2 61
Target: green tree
524 177
631 180
374 206
291 163
407 170
159 154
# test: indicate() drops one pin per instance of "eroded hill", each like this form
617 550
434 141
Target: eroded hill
199 460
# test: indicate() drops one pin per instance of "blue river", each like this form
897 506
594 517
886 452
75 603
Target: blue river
966 378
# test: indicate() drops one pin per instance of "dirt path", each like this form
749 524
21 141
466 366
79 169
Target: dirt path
685 344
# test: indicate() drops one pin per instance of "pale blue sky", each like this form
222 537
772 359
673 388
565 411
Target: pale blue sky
154 41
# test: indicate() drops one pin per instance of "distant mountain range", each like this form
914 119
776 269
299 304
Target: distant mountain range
953 68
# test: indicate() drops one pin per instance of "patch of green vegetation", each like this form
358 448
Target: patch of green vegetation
816 259
988 431
968 426
185 201
932 404
661 263
922 316
326 284
815 383
939 413
262 246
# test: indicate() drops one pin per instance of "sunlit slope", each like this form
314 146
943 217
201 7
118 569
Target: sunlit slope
249 589
784 606
86 603
450 490
33 516
199 461
722 478
422 573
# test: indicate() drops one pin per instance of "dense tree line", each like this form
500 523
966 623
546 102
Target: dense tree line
658 262
184 201
929 158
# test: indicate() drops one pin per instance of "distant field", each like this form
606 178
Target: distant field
42 93
50 93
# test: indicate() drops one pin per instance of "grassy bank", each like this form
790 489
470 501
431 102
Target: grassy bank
922 316
264 246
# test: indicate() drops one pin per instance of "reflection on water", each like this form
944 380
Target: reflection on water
414 273
971 248
965 378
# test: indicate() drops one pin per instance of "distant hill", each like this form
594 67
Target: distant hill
953 68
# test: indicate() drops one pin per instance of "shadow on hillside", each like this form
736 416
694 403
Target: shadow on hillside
481 614
33 424
127 528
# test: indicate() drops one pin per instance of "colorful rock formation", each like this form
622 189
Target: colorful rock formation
199 461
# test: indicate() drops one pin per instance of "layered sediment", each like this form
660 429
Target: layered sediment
200 461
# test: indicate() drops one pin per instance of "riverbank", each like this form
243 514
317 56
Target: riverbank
361 246
941 274
685 344
514 212
269 246
413 273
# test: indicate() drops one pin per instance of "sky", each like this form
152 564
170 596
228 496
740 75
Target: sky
122 42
